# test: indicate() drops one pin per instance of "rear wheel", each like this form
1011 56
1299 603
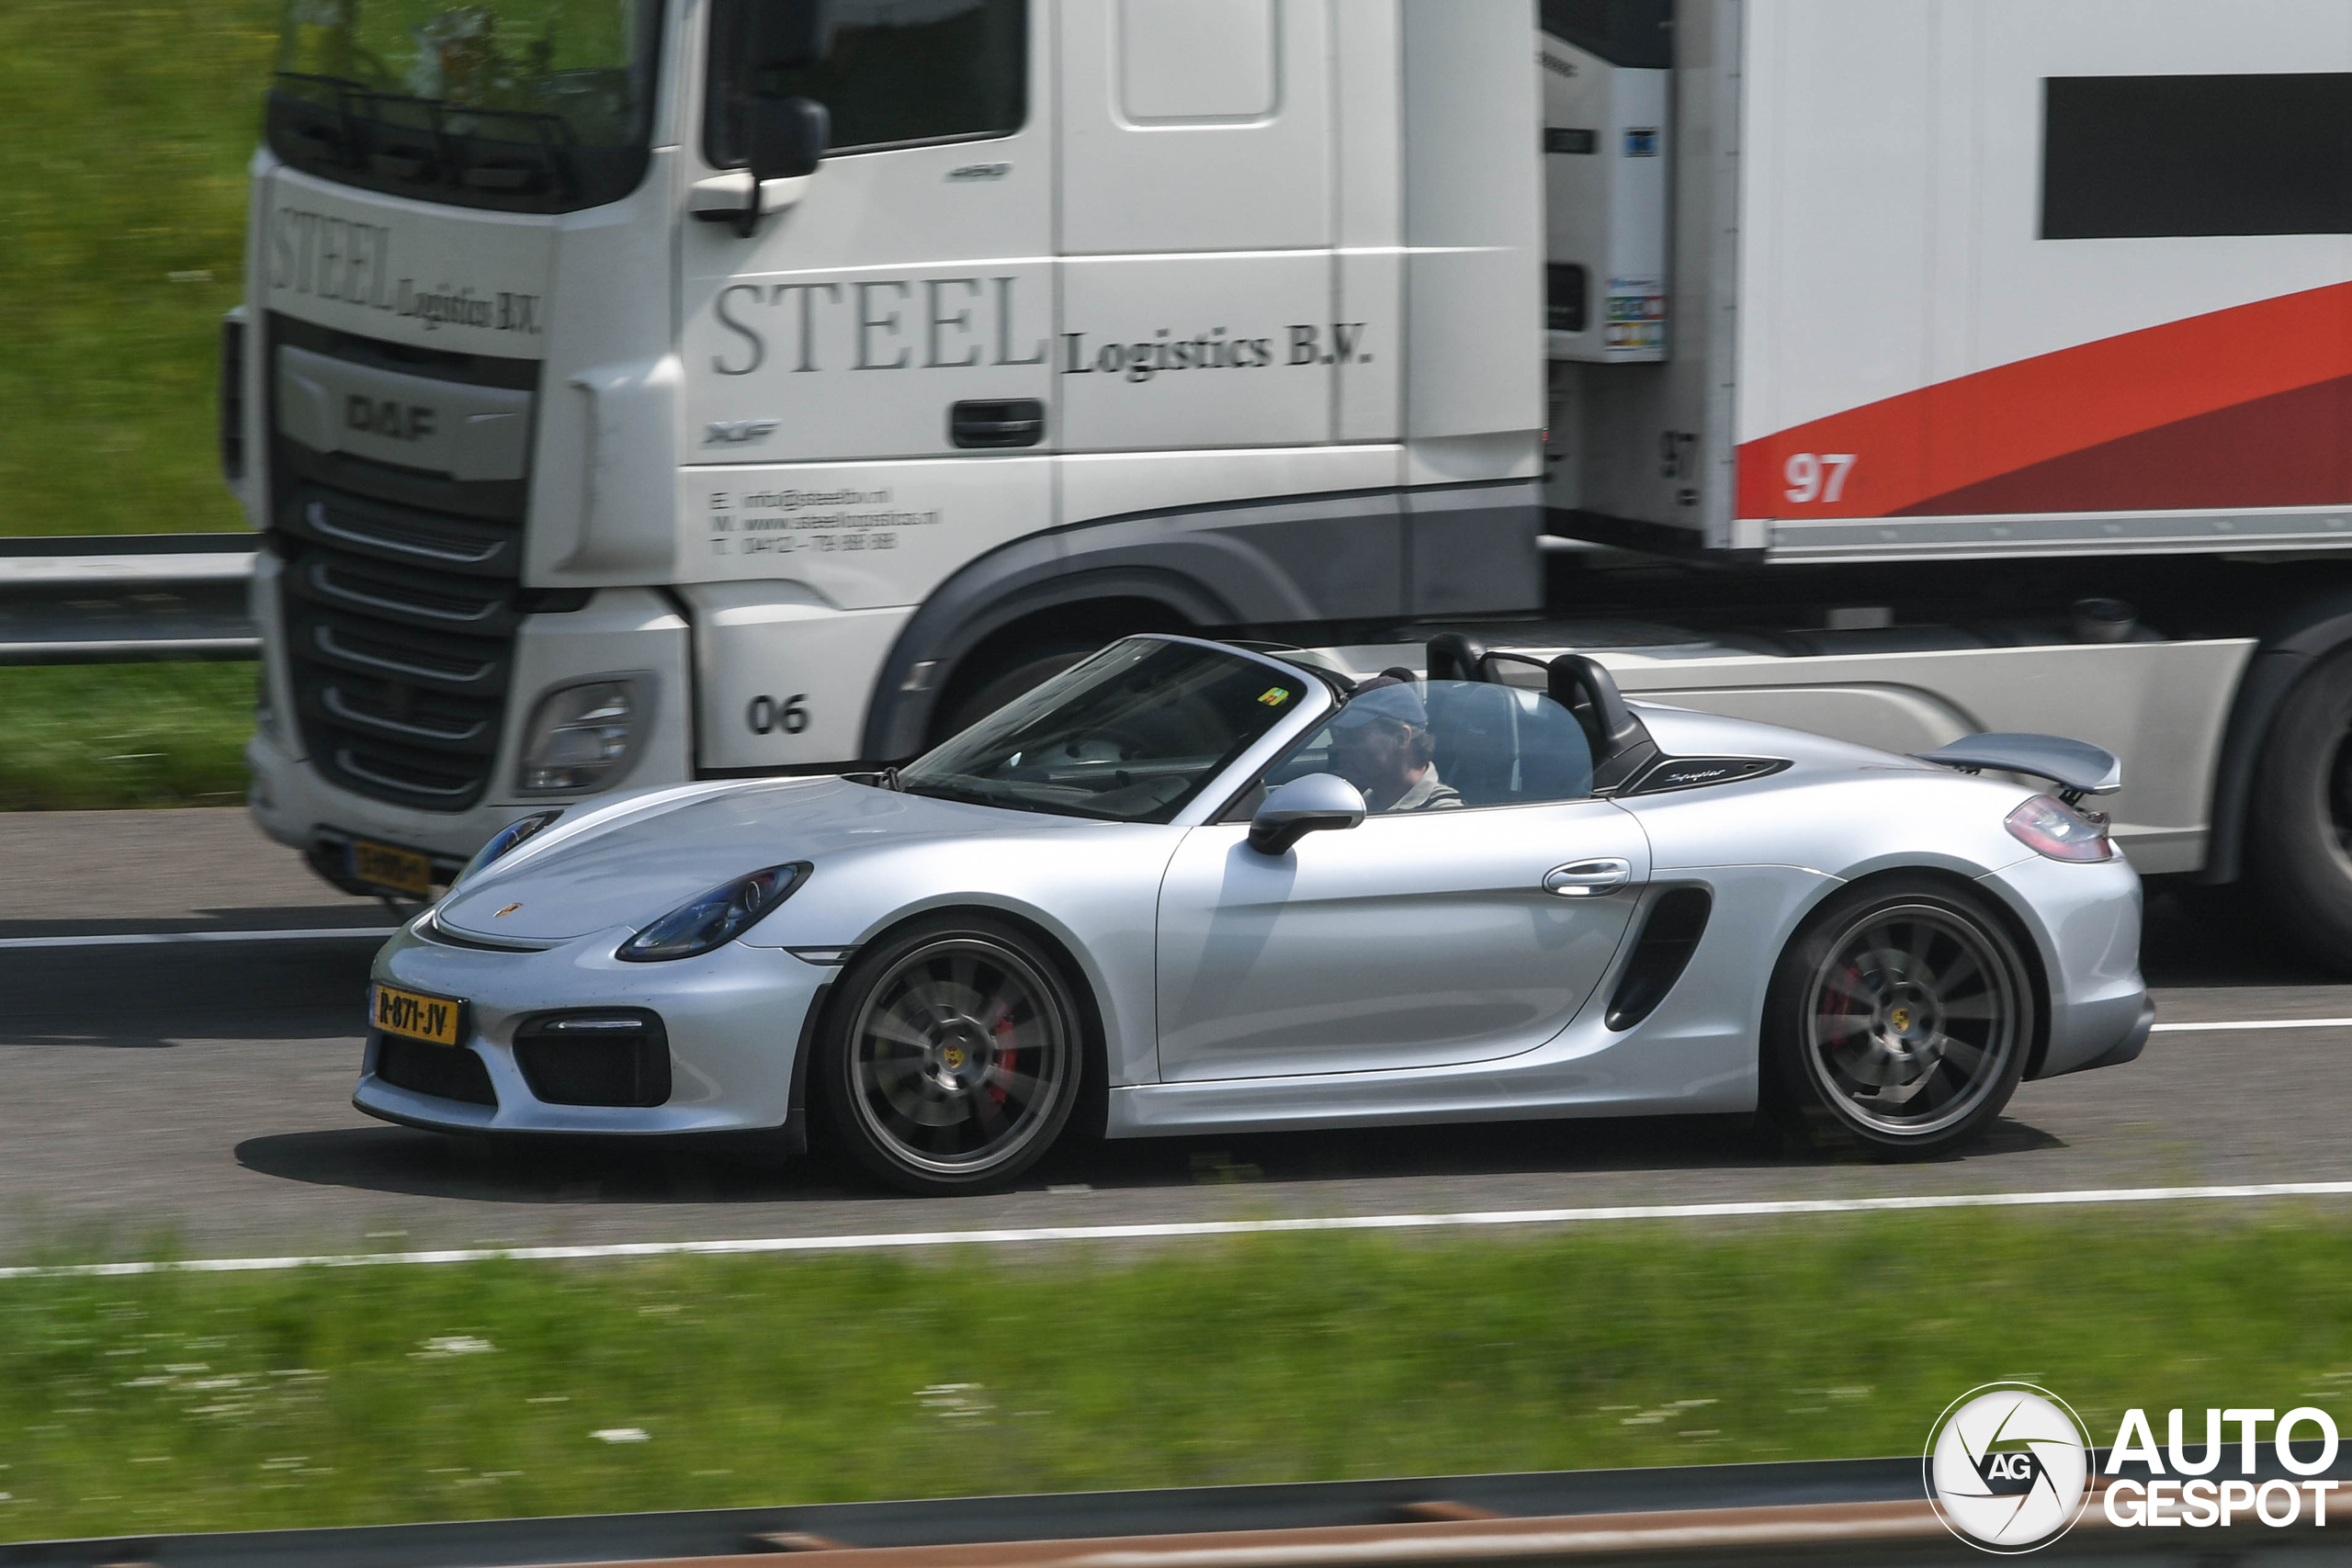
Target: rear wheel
2299 828
1900 1018
953 1057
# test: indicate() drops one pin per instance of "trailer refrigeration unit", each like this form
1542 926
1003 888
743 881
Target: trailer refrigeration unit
638 392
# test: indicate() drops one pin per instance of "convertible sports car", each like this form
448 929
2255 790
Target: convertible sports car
1193 885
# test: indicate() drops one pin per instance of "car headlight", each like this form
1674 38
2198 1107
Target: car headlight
583 737
2050 827
506 839
716 917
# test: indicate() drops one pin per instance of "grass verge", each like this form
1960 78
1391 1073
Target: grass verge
90 736
124 132
380 1394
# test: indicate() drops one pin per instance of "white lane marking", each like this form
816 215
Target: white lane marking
2255 1023
150 938
1183 1228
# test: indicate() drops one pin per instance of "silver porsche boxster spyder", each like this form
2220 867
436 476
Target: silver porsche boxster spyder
1191 885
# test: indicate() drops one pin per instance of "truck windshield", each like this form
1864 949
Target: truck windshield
532 106
1130 735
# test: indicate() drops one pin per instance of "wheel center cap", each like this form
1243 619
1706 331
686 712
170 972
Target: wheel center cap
958 1053
1908 1022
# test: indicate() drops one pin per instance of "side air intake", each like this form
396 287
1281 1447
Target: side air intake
1668 937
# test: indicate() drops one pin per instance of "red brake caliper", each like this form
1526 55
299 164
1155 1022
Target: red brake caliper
1005 1060
1840 1004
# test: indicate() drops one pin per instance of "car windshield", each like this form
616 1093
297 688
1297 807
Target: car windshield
1131 735
538 105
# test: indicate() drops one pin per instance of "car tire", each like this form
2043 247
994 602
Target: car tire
951 1055
1899 1019
2299 821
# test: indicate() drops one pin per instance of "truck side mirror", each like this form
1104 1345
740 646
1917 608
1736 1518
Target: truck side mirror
1312 804
788 35
785 137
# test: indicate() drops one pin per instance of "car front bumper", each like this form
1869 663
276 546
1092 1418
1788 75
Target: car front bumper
736 1021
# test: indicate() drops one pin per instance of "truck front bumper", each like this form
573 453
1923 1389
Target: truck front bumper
632 631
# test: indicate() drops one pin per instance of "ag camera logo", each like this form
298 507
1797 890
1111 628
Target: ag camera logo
2008 1467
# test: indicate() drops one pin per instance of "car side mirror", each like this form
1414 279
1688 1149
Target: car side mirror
1309 804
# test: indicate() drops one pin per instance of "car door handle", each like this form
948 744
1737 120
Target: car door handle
1586 878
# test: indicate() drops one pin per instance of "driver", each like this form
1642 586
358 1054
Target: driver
1380 743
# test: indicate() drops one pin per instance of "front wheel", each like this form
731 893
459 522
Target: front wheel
974 698
952 1058
1900 1018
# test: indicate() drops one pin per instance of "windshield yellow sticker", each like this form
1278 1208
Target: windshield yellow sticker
1274 696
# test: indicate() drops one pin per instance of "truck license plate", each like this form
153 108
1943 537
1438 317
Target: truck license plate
418 1016
390 867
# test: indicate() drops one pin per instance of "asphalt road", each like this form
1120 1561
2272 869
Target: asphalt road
195 1098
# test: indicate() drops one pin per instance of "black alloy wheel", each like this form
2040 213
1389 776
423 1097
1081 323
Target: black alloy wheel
2299 822
1901 1019
952 1056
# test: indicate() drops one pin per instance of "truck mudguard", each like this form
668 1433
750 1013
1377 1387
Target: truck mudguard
1293 561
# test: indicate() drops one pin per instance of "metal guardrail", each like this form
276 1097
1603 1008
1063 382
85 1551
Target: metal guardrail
1757 1515
123 598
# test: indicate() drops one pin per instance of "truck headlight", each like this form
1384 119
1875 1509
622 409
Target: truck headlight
716 917
586 736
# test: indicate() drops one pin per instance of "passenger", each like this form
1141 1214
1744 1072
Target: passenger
1380 743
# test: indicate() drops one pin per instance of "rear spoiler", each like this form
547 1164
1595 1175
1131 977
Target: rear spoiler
2076 767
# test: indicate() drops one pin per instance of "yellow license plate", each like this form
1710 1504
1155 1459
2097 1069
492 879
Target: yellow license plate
418 1016
389 866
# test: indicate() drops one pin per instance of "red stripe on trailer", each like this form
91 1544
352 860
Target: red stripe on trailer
2245 407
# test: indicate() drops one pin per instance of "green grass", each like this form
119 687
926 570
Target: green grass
83 737
186 1402
124 132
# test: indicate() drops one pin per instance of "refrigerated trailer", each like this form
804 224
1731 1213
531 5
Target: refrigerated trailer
636 392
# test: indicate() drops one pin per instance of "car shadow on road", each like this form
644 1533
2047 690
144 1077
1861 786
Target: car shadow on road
558 1170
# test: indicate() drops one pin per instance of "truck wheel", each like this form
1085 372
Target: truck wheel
993 687
2299 827
951 1060
1900 1019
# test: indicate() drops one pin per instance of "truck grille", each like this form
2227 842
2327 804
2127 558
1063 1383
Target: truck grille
400 598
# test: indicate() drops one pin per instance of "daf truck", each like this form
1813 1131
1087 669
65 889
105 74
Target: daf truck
638 392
